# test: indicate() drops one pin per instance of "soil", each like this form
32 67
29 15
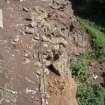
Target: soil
61 91
97 70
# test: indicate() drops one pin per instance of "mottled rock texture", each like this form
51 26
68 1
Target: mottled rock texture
36 44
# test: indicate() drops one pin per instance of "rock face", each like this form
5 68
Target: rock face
40 38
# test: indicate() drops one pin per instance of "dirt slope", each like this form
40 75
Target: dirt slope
38 39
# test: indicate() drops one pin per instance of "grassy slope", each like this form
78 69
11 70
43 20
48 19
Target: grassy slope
89 93
97 38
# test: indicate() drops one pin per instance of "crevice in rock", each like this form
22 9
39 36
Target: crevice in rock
53 69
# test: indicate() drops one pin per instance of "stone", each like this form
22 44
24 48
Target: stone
33 24
37 64
64 2
57 4
46 71
29 30
1 18
28 91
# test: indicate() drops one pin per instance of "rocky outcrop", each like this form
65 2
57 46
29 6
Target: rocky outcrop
50 37
60 38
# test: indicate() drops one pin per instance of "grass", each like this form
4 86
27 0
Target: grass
89 93
93 22
97 38
80 66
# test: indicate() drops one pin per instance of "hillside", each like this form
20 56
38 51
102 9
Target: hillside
38 41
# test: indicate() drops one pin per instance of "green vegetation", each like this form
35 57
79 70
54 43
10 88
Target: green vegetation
80 67
88 93
91 95
91 15
97 39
